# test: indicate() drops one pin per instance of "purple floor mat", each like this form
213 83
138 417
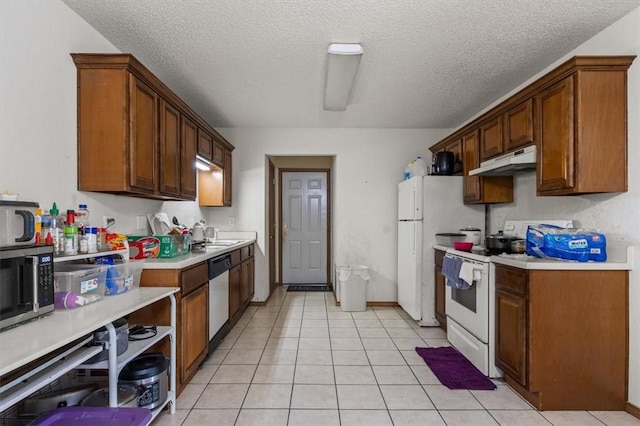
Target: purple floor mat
454 370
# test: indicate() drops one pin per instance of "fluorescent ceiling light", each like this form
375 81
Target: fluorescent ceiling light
342 67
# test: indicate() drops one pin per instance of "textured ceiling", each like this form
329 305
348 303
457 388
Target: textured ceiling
426 63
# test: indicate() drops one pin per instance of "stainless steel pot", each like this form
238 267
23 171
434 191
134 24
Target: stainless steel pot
499 242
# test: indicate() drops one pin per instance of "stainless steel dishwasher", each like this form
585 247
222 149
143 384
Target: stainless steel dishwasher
218 299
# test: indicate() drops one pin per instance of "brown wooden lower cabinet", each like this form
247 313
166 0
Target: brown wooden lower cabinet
235 291
246 291
195 334
441 314
562 337
192 314
241 282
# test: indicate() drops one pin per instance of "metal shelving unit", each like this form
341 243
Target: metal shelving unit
33 340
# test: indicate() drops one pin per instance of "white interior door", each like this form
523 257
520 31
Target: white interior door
304 227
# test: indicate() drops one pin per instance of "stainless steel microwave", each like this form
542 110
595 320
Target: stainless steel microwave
26 284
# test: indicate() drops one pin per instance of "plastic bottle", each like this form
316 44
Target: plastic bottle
82 218
70 234
102 239
57 229
83 244
38 226
407 171
419 167
91 232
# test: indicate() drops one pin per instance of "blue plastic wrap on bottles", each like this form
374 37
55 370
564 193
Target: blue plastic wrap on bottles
113 281
570 244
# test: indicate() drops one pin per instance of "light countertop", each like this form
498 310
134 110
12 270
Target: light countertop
179 262
618 258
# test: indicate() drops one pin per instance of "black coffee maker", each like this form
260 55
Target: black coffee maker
443 163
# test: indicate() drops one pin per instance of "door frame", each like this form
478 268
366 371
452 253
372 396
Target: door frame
328 236
272 226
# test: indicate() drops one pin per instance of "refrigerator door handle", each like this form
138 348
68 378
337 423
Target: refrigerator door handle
413 239
413 201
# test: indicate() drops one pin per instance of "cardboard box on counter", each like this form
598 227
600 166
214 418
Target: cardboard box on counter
161 246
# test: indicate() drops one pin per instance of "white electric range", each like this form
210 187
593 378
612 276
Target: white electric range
471 312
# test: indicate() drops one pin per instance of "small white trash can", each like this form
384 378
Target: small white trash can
352 284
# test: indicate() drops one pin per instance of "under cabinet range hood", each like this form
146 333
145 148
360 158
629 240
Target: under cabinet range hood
508 164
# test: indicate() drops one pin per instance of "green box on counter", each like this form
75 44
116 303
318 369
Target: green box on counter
160 246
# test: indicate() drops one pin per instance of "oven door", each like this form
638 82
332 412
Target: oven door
470 308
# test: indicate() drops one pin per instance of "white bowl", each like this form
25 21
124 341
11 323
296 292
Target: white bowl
8 197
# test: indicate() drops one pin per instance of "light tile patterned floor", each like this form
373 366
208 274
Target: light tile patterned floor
300 360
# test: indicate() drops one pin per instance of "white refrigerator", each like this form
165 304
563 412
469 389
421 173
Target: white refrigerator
427 205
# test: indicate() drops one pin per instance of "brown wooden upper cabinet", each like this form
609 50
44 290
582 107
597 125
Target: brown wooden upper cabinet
135 136
226 195
205 145
482 189
218 154
517 124
214 188
189 147
507 132
576 115
110 170
471 185
170 150
491 139
581 131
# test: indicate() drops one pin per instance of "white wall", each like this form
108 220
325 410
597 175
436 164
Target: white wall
38 137
369 163
617 215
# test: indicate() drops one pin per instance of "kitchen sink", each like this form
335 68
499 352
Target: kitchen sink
223 243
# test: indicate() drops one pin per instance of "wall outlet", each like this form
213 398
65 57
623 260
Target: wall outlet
141 222
232 220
